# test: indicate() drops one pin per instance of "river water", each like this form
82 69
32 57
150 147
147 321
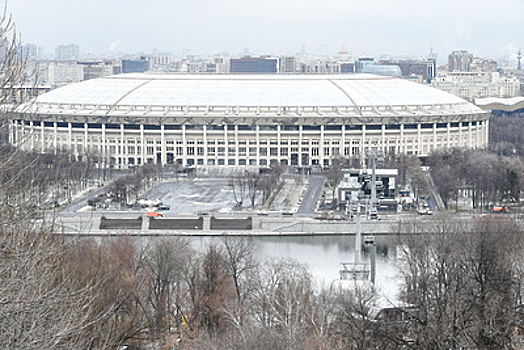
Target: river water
323 255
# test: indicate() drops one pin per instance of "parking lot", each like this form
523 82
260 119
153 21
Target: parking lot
193 197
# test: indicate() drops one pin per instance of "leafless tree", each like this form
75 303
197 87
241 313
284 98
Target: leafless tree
335 175
238 184
464 282
254 185
165 260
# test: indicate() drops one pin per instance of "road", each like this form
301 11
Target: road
307 207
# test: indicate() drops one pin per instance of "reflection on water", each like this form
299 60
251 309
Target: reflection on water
323 255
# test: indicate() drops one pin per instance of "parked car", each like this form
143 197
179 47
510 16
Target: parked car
164 207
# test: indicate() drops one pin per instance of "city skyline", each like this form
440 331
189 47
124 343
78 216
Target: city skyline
400 27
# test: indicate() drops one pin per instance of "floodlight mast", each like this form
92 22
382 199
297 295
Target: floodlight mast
358 236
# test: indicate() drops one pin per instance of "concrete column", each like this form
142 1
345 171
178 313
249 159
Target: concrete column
321 147
237 156
226 145
70 137
362 154
434 138
470 135
162 137
419 139
123 153
402 148
86 135
204 139
104 146
257 135
300 147
383 139
448 135
279 131
31 138
55 136
460 135
143 146
486 133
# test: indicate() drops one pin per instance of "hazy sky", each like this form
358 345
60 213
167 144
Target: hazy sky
487 28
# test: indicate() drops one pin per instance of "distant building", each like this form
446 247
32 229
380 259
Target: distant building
249 64
368 65
347 68
65 73
161 61
288 64
31 51
320 67
483 65
363 63
460 61
67 52
424 70
96 69
140 65
473 85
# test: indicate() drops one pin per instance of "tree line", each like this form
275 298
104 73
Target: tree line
460 288
488 177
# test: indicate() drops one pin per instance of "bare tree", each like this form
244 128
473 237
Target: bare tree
464 282
165 260
254 185
334 176
238 184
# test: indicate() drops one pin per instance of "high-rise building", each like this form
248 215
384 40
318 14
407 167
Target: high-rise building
288 64
31 51
140 65
67 52
249 64
459 61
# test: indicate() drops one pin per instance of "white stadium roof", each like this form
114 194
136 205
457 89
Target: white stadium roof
161 93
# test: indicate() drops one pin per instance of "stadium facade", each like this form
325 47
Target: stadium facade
236 120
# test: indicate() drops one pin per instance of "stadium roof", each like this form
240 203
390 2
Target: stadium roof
293 94
504 104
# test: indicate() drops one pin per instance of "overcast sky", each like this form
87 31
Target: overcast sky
486 28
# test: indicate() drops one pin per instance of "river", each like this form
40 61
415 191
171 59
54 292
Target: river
323 255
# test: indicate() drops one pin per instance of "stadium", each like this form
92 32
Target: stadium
245 120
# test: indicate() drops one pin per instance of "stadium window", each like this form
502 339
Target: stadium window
246 127
392 127
333 127
311 128
151 127
194 127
